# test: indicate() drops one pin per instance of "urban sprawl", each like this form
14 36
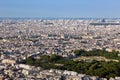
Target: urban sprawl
21 38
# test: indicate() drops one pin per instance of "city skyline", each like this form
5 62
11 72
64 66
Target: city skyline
61 8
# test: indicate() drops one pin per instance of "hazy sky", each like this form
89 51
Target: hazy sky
60 8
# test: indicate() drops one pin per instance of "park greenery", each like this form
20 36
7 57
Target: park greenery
109 55
93 68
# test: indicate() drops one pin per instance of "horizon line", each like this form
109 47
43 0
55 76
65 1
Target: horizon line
64 17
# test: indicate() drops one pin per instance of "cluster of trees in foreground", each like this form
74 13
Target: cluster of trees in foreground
106 54
93 68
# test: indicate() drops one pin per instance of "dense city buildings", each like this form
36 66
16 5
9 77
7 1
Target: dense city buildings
23 38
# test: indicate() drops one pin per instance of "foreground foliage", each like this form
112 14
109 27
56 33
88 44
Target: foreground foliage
93 68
